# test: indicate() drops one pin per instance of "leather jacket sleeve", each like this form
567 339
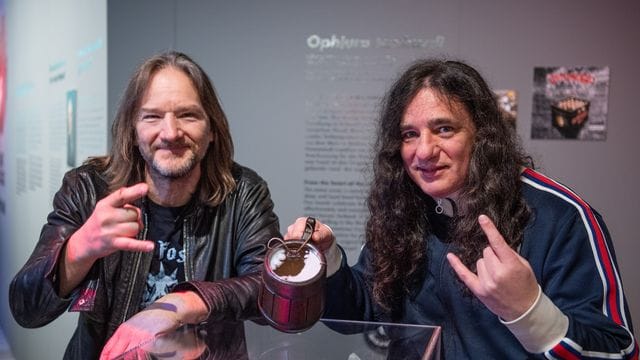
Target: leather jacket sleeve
33 293
233 294
255 223
228 299
227 243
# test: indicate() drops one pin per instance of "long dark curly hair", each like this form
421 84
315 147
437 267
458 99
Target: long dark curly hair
398 221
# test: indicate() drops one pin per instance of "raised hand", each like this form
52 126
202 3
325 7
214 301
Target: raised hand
113 226
504 282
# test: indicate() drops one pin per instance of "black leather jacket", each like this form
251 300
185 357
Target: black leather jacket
224 249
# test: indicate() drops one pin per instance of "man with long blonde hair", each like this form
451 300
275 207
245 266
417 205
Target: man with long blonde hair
165 230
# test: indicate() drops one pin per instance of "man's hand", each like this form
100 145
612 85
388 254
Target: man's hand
322 235
141 329
504 282
113 226
182 344
160 318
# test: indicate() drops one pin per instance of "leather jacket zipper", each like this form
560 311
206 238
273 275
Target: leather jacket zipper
187 264
134 273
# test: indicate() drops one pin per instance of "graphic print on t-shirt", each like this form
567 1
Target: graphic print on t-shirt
167 269
167 264
158 285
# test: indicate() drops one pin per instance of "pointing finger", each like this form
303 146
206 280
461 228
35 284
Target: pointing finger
126 195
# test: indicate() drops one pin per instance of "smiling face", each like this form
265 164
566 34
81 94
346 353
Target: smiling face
172 128
437 140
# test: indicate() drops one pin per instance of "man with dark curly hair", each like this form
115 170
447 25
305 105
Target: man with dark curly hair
464 234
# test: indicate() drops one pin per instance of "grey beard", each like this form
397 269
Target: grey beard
175 173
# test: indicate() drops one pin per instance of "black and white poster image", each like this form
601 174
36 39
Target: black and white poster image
570 103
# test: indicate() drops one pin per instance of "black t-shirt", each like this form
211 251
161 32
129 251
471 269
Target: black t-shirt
167 266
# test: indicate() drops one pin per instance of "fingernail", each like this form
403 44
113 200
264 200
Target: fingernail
483 219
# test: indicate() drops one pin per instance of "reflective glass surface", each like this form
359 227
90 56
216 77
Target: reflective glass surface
327 339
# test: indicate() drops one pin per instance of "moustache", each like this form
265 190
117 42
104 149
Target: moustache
174 145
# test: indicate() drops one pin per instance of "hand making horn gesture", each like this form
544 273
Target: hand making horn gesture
504 282
113 226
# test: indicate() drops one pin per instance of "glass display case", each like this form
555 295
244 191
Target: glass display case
327 339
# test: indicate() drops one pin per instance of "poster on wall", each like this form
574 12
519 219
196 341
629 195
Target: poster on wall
508 102
71 114
570 103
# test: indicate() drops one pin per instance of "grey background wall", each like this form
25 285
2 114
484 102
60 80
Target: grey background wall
256 53
54 47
